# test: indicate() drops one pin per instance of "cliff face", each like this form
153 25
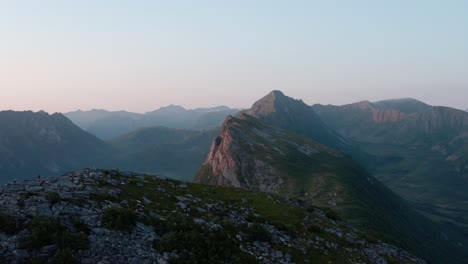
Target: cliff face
227 163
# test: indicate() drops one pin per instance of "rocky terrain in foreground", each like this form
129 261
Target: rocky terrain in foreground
100 216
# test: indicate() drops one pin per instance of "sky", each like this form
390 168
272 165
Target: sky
63 55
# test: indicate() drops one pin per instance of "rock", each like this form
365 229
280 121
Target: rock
49 250
181 205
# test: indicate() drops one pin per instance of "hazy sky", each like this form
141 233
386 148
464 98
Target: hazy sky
139 55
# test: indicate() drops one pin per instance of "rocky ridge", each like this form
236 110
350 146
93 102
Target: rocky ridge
101 216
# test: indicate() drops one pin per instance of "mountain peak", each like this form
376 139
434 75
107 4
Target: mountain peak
172 108
291 114
404 105
276 93
268 104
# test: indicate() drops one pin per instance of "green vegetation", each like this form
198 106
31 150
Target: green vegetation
64 256
198 244
9 224
44 231
122 219
331 214
258 233
53 197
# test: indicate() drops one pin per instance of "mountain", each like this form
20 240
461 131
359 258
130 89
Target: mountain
405 105
294 115
424 154
39 143
176 153
103 216
251 154
85 119
109 125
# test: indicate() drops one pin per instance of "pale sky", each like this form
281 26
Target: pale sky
62 55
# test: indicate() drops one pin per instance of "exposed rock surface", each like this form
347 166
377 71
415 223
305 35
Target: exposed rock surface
241 226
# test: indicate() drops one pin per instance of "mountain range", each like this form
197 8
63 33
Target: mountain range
356 160
112 124
422 151
252 153
36 143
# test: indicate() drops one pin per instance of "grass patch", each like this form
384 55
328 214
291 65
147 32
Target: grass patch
44 231
198 244
9 224
53 197
121 219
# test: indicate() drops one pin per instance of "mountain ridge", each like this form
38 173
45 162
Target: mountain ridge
109 125
253 155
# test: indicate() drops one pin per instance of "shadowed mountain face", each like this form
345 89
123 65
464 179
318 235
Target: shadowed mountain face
108 125
423 153
39 143
251 154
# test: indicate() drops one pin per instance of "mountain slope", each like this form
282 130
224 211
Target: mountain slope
39 143
424 154
251 154
176 153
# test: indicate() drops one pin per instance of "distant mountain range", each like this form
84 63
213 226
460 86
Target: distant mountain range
422 150
253 153
34 144
112 124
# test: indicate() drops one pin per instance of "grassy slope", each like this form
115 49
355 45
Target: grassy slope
299 221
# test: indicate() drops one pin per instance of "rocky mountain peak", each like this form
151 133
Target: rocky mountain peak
273 102
281 111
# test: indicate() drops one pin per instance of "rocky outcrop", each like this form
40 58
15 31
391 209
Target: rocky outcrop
228 165
114 217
